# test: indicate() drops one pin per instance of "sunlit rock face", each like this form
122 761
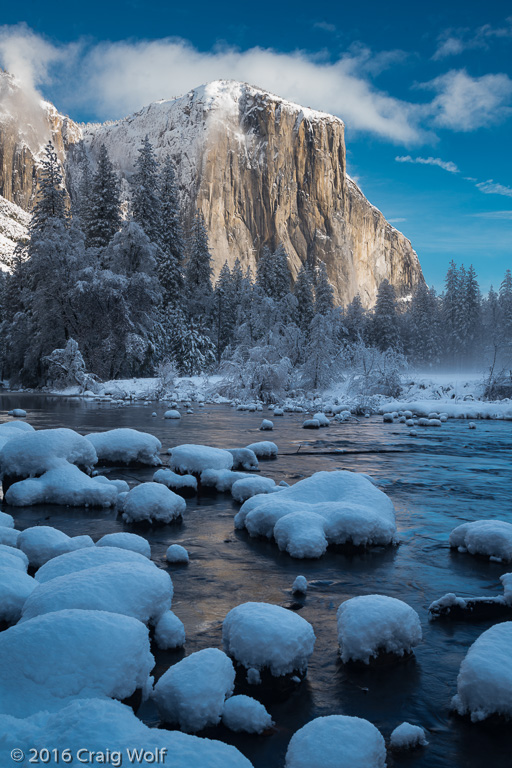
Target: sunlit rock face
262 170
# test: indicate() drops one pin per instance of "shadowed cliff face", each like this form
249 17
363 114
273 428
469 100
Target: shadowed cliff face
262 170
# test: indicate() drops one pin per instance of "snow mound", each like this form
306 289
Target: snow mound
244 458
336 507
42 542
371 624
337 741
192 692
169 631
264 449
175 482
108 727
18 413
6 521
126 446
83 559
12 557
300 585
65 485
506 580
247 487
176 554
245 714
222 479
71 653
153 503
484 684
407 736
15 587
193 459
266 425
133 589
311 424
33 453
322 419
124 540
492 538
260 635
9 536
172 414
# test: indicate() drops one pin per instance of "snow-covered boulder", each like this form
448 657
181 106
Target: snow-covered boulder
262 635
484 684
42 542
176 554
108 727
51 659
265 449
9 536
172 414
169 631
175 482
244 458
245 714
126 446
192 692
92 557
15 587
311 424
12 557
193 459
327 508
152 503
491 538
321 418
66 485
247 487
266 425
300 585
407 736
337 741
32 453
222 479
6 520
372 624
133 589
125 540
19 413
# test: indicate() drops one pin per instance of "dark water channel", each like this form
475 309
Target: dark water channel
437 480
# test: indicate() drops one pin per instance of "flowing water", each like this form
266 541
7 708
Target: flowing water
437 480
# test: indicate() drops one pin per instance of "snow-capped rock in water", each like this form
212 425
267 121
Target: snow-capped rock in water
152 503
9 536
245 714
18 413
92 557
65 485
133 589
222 479
172 414
126 446
6 520
42 542
491 538
247 487
244 458
107 727
300 585
32 453
192 692
407 736
49 660
262 635
311 424
321 418
484 684
176 554
327 508
265 449
169 631
11 557
15 587
372 624
266 425
193 459
337 741
125 540
175 482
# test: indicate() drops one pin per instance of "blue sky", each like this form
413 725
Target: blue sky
425 91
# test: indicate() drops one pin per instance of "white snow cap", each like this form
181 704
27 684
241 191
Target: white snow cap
262 635
18 412
9 536
244 458
266 425
124 446
173 481
484 537
245 714
42 542
176 554
192 692
327 508
407 736
32 453
222 479
12 557
92 557
370 624
321 418
247 487
172 414
195 458
125 540
484 684
300 585
15 587
337 741
265 449
65 485
6 521
169 631
152 502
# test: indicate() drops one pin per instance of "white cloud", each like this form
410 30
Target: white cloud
399 220
465 103
446 165
496 215
491 187
325 26
454 41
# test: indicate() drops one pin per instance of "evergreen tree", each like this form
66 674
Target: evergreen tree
355 320
146 208
172 248
324 295
385 333
451 312
303 292
102 217
198 271
471 313
423 325
194 351
224 310
273 274
505 303
51 199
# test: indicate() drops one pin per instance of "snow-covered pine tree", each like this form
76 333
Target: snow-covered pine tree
102 217
198 271
272 272
172 247
51 198
385 331
355 321
505 302
472 314
324 294
423 326
224 310
303 292
145 195
194 351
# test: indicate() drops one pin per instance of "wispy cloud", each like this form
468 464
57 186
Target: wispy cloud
325 26
446 165
454 41
491 187
399 220
496 215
